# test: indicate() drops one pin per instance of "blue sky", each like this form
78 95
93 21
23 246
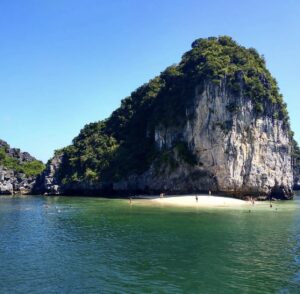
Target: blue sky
65 63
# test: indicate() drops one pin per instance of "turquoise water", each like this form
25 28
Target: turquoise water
94 245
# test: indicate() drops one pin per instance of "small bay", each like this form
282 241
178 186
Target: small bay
97 245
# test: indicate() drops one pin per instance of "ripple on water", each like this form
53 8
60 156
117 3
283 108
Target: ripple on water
89 245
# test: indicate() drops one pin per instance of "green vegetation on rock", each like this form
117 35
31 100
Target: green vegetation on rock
124 143
29 168
244 71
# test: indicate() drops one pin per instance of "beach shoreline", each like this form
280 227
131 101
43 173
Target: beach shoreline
194 201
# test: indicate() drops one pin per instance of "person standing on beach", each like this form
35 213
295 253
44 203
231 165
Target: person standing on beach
196 198
209 192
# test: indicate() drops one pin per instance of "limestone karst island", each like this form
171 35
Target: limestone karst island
215 121
149 147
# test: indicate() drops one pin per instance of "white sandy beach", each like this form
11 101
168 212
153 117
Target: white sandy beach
203 201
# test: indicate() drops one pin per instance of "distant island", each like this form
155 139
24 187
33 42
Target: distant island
215 121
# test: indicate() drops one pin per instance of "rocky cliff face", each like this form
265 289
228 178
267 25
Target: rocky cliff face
17 170
296 164
215 121
236 152
12 182
297 178
47 182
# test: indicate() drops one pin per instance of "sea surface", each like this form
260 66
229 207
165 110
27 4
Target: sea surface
96 245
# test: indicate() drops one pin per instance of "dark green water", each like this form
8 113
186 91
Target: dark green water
93 245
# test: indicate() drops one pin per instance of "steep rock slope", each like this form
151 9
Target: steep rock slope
18 170
216 121
296 165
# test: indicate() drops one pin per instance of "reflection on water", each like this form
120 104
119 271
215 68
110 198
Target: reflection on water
93 245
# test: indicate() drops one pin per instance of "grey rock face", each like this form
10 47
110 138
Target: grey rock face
12 182
244 152
47 183
20 156
237 152
4 144
296 177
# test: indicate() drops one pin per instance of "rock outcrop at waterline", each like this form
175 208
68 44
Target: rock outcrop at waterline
216 121
18 170
47 182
